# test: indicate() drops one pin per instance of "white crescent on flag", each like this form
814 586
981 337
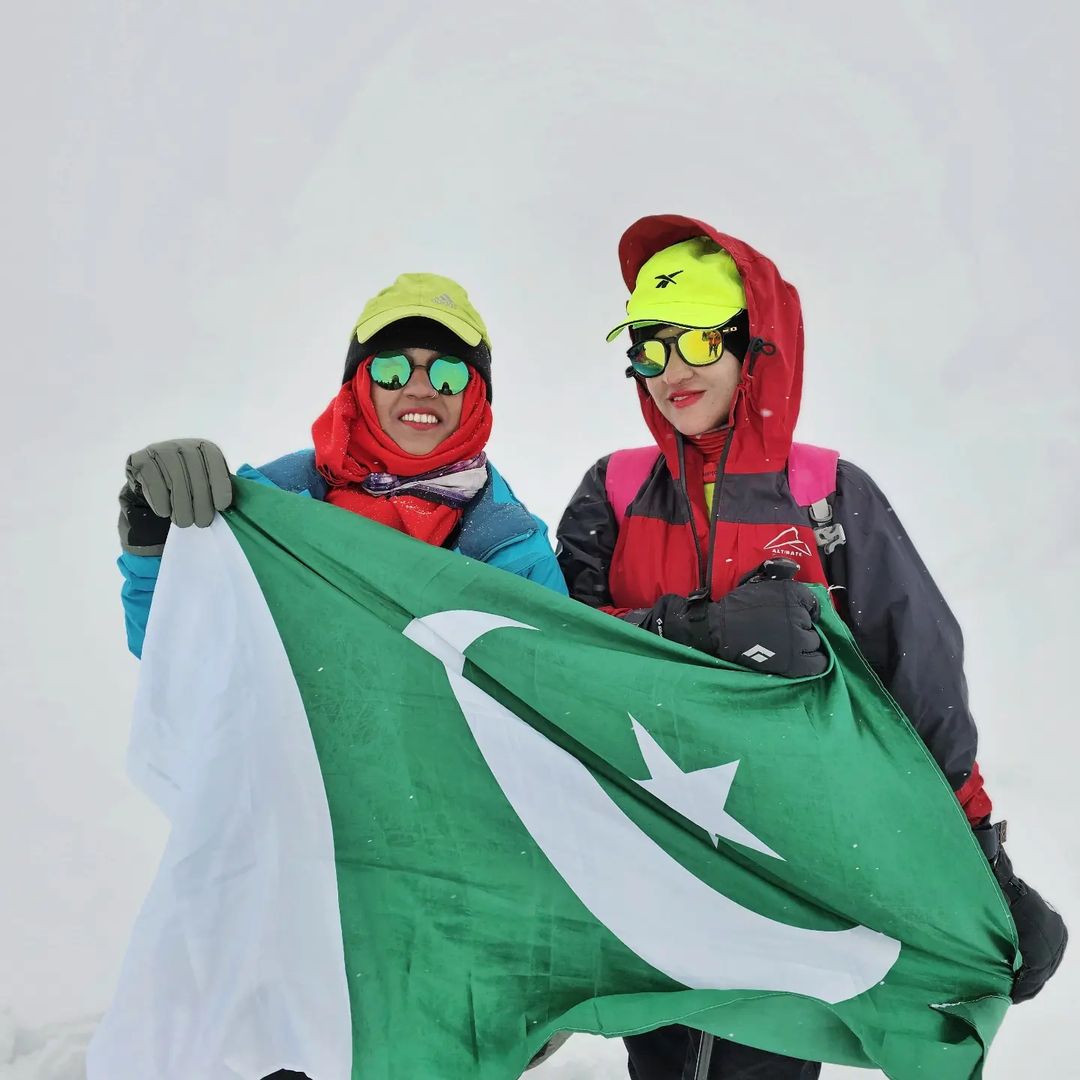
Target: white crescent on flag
649 901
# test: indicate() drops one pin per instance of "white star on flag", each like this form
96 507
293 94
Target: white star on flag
699 795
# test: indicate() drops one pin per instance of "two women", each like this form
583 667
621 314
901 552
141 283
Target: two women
710 535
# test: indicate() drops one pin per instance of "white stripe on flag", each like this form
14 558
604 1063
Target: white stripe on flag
235 966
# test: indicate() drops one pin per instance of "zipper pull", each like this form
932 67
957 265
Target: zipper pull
697 606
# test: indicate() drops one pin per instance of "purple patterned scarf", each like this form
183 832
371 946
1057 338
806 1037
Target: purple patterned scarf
453 485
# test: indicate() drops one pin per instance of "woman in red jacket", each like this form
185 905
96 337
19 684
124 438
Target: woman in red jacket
711 535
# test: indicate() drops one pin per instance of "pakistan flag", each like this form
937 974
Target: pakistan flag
425 814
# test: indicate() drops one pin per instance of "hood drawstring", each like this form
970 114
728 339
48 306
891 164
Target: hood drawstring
758 347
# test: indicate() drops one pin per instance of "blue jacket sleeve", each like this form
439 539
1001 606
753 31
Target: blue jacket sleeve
531 557
140 574
503 533
546 572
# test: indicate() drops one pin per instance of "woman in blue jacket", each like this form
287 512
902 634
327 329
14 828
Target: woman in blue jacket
401 443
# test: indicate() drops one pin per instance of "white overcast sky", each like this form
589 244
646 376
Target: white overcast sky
197 198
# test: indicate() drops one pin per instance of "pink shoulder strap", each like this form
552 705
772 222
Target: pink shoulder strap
811 473
626 472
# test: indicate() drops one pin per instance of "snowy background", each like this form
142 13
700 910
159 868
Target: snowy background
198 198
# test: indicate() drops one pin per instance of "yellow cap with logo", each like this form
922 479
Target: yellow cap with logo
425 296
694 283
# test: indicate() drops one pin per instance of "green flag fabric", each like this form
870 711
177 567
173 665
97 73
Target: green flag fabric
425 814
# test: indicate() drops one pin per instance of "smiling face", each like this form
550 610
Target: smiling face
416 417
694 399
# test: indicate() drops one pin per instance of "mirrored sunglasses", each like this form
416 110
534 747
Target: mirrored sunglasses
392 370
698 347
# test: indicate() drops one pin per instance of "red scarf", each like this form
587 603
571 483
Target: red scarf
350 443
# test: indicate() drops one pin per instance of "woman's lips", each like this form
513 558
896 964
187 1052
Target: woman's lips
685 398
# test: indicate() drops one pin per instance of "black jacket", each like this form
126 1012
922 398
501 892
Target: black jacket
896 612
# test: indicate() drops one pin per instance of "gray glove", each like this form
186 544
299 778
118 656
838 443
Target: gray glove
182 481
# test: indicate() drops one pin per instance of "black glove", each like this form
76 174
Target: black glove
1041 930
183 481
765 624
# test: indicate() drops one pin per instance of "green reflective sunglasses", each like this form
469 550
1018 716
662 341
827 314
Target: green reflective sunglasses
392 370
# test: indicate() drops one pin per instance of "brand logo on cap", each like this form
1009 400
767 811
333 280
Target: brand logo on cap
442 298
664 280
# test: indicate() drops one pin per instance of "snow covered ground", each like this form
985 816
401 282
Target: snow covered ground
52 1052
56 1051
198 198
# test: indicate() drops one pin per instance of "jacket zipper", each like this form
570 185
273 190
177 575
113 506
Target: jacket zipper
718 487
679 443
705 566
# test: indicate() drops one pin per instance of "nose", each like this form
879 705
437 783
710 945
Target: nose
677 370
419 385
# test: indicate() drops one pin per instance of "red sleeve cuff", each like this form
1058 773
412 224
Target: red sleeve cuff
973 798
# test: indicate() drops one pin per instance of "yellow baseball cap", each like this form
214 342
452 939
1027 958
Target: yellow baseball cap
694 283
427 296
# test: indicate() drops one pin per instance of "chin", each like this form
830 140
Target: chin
417 449
418 446
689 426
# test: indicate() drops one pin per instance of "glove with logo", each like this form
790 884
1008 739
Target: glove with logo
766 624
1041 930
181 481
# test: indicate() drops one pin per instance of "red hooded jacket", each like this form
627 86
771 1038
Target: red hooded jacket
667 542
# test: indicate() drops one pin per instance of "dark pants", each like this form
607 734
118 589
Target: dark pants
670 1053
